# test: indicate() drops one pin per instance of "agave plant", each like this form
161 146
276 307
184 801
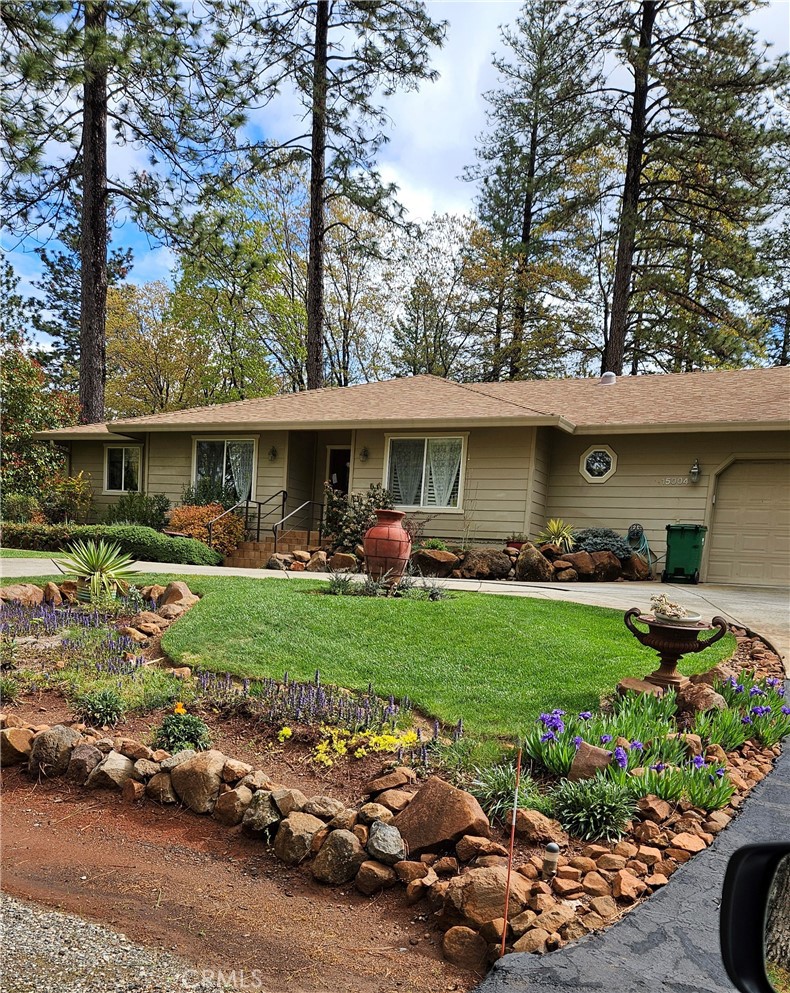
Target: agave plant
557 532
100 567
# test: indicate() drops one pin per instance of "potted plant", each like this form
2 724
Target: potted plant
100 568
516 540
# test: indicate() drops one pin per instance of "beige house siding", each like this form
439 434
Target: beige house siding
541 462
496 481
88 457
649 485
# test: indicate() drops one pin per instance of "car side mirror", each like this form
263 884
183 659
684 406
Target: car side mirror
755 918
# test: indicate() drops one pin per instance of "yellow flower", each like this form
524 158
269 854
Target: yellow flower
179 708
284 734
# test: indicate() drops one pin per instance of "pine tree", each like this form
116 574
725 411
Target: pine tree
343 57
540 123
698 139
171 81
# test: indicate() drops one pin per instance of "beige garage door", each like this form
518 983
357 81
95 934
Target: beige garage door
749 540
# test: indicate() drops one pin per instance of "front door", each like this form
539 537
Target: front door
338 468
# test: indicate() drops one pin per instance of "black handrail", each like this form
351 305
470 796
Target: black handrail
278 533
283 497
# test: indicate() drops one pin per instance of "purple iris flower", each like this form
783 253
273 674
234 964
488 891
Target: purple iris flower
620 757
578 740
548 736
761 711
605 739
746 720
720 772
772 681
658 767
756 691
585 715
637 746
786 711
699 762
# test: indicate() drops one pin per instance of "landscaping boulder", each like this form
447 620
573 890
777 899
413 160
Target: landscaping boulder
589 759
566 576
52 594
465 948
232 805
434 563
532 567
471 846
385 843
535 828
160 788
112 772
261 815
178 592
16 745
370 812
152 592
279 561
606 566
696 698
439 815
551 551
143 767
295 837
534 941
582 562
197 781
171 611
343 562
635 568
318 562
478 895
325 807
401 776
235 770
485 563
257 780
289 801
51 750
395 800
84 759
374 877
25 593
339 859
172 761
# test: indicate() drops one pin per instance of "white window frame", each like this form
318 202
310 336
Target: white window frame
106 491
583 460
462 436
226 438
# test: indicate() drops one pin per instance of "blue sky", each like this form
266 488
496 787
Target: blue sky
433 131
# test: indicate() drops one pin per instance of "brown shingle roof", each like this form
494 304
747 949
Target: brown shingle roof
741 398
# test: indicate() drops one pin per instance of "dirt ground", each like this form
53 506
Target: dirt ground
216 898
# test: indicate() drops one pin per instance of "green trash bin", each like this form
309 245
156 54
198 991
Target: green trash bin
684 553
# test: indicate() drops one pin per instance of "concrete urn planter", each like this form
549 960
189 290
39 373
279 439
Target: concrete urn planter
387 545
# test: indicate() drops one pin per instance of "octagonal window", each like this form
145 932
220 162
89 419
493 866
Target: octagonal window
598 463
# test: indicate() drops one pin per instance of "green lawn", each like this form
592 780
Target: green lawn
495 661
21 553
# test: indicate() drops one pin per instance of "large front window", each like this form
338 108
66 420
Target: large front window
226 465
122 469
425 472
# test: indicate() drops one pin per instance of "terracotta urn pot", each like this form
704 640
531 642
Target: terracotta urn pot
387 545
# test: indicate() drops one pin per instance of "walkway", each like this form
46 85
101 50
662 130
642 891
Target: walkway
765 610
670 944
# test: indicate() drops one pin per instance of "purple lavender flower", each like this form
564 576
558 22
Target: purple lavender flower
605 739
620 757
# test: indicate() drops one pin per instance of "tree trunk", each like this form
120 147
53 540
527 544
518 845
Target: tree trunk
315 262
784 356
777 923
614 352
520 308
93 241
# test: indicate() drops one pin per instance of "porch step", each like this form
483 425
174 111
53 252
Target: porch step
256 554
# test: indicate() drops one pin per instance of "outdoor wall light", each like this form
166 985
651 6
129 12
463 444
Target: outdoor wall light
273 454
695 471
364 455
551 856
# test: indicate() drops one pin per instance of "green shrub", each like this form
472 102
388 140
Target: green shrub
21 508
436 544
103 707
494 788
141 543
179 731
348 517
9 689
593 808
557 532
68 498
139 508
602 540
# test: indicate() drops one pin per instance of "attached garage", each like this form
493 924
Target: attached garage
749 537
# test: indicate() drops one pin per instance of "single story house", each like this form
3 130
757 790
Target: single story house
484 460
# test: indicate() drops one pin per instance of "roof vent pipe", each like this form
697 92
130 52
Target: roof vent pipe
608 379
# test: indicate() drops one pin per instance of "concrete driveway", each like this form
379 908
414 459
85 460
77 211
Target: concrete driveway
764 610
